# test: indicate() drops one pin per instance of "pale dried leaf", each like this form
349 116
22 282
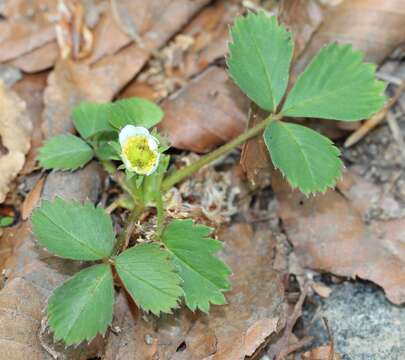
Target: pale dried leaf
15 132
329 233
32 199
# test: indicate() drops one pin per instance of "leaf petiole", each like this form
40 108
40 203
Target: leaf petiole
180 175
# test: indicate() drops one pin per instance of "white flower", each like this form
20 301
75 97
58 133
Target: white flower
139 150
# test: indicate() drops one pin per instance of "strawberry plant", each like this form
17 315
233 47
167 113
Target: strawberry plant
180 262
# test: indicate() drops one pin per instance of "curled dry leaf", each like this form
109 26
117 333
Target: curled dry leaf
210 110
255 158
255 311
31 89
330 233
15 132
32 199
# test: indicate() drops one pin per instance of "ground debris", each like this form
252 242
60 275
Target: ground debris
15 131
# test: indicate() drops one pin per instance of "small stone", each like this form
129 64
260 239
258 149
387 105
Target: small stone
148 339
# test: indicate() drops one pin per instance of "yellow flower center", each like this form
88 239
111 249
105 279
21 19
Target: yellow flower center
139 154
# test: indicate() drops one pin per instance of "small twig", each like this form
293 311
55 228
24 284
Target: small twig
376 119
295 347
125 236
389 78
396 133
290 325
331 341
45 346
180 175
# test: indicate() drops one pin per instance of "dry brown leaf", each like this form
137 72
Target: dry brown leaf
330 233
32 273
31 89
302 18
255 158
209 111
373 26
210 32
39 59
324 352
27 27
154 26
72 82
32 199
15 132
144 337
322 290
255 311
68 84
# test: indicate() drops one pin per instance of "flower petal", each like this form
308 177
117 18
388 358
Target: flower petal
130 130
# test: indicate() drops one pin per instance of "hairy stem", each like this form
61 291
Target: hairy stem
124 237
187 171
160 215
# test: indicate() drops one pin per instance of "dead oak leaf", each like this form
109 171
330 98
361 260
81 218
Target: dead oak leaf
331 233
15 132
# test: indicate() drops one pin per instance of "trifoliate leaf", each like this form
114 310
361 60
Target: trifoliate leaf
91 118
72 230
83 306
64 152
336 85
260 57
205 277
149 277
308 159
134 111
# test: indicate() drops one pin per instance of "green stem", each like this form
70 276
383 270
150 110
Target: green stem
187 171
123 238
160 215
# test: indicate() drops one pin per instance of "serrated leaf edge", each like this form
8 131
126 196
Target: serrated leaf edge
41 149
88 340
330 185
69 202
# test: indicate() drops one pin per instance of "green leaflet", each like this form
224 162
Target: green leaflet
64 152
149 277
205 277
134 111
91 118
308 159
259 60
336 85
72 230
82 307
